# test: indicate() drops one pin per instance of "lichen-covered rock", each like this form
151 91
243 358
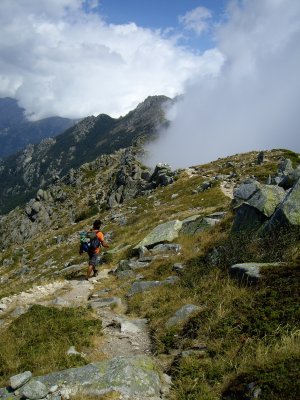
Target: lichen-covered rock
135 377
288 213
267 198
166 232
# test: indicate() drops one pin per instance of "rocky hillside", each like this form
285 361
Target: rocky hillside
21 175
196 297
16 132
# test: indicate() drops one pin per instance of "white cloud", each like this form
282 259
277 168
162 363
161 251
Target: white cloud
58 60
253 103
197 20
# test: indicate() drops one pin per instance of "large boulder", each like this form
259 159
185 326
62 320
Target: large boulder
258 208
267 198
247 218
288 213
244 191
166 232
289 180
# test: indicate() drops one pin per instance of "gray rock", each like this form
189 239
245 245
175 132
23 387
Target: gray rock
60 302
251 272
135 377
196 223
166 232
125 274
178 267
204 186
288 213
71 269
247 218
245 190
267 198
166 248
72 351
19 380
138 287
291 179
18 311
3 307
285 167
34 390
105 302
182 315
170 280
133 326
260 157
6 394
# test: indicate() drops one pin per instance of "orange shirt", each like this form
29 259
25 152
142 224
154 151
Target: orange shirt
100 236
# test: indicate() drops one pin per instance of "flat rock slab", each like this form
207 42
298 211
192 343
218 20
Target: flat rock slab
251 272
166 232
143 286
134 377
105 302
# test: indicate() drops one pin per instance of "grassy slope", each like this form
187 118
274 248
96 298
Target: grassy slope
249 335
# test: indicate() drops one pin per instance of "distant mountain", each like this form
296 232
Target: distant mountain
22 174
16 131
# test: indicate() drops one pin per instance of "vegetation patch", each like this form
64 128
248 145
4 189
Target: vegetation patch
38 340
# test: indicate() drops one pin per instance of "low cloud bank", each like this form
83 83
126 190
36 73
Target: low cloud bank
253 102
56 58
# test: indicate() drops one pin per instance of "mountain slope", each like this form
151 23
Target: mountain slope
217 335
16 131
21 175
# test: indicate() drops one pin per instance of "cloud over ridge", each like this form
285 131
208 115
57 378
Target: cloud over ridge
252 103
58 59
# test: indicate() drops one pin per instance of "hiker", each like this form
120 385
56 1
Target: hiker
93 252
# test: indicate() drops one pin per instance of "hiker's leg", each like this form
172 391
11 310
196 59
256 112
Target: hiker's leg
89 271
96 264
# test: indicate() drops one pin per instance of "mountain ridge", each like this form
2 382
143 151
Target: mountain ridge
16 131
22 174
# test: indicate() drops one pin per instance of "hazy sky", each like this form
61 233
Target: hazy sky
236 63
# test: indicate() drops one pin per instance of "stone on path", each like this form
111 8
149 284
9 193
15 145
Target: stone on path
19 380
105 302
34 390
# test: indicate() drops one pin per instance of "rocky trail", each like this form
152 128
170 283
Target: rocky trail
128 370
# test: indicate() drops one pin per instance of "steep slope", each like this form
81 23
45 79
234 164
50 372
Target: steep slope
16 132
23 174
218 336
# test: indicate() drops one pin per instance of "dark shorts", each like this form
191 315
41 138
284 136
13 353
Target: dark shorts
94 260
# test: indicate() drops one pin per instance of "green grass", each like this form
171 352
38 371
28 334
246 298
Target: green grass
39 339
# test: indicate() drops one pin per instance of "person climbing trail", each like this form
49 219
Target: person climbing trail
96 241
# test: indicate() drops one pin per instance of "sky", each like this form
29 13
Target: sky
235 63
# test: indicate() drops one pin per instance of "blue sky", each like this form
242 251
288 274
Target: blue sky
163 15
235 63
